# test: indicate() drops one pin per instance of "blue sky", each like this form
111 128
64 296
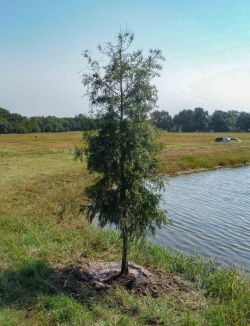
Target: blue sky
206 45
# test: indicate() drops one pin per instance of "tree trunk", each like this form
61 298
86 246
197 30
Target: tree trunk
124 267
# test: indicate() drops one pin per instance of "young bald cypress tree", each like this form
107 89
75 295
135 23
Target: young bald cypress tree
123 150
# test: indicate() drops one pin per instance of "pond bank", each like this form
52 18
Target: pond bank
184 172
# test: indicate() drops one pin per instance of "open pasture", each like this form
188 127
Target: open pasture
30 155
43 234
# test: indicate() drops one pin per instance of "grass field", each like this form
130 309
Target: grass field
192 151
42 234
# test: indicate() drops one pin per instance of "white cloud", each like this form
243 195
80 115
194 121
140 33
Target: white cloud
228 88
210 86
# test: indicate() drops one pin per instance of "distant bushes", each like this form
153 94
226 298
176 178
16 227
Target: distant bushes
186 121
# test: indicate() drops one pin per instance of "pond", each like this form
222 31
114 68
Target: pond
210 214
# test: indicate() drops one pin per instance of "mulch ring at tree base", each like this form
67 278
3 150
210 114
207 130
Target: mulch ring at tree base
101 276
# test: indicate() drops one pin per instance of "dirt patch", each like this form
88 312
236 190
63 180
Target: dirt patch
99 276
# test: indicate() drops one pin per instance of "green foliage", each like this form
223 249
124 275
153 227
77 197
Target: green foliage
15 123
184 120
200 120
220 121
4 126
123 150
191 120
162 120
139 164
243 121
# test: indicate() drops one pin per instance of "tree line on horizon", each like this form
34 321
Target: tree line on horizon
16 123
197 120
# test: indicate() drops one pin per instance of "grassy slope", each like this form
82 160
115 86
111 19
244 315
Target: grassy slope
40 228
191 151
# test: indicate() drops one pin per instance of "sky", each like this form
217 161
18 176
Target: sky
206 44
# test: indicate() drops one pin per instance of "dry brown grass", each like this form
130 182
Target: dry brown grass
31 155
192 151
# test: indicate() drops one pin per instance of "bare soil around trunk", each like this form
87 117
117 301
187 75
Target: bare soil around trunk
101 276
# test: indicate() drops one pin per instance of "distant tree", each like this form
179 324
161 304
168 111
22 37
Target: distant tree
34 126
5 114
200 119
162 120
4 126
232 117
23 126
220 121
122 150
86 123
243 121
16 123
53 124
184 120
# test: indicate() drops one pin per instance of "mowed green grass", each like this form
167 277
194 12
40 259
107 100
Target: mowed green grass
41 229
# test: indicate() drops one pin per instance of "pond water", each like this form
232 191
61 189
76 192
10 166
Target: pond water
210 215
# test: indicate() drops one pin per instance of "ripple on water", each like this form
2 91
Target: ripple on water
210 214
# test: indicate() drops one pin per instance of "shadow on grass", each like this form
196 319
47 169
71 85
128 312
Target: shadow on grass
21 287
